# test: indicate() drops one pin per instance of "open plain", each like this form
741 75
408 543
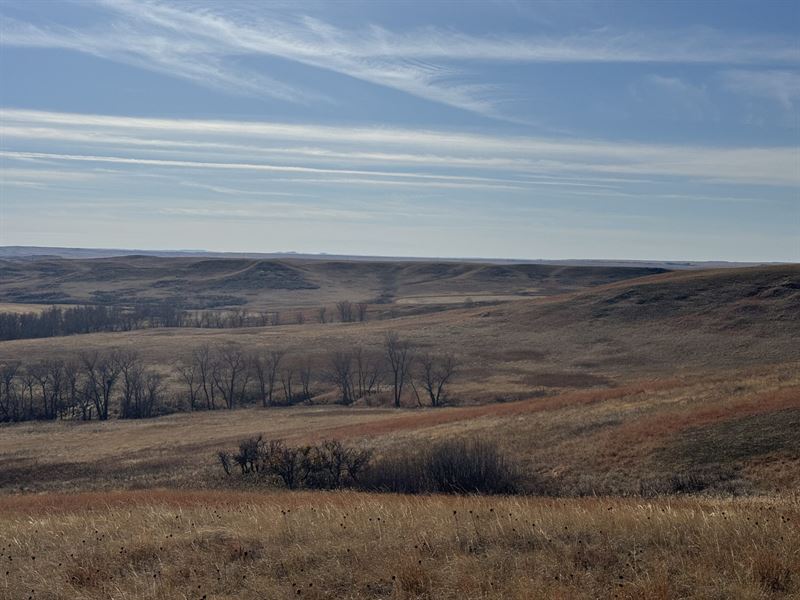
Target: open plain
653 418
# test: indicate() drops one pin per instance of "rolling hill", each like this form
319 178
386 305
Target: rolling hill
258 283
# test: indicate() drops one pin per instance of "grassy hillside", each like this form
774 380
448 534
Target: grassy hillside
614 402
219 282
733 431
655 327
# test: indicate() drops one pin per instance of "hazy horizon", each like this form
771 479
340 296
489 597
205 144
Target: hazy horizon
124 251
553 131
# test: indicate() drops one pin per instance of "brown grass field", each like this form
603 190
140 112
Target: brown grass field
603 394
173 544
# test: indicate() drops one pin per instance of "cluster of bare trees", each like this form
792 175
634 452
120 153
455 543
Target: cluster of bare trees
350 312
358 374
85 388
346 312
226 377
96 385
56 321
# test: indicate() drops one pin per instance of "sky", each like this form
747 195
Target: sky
552 130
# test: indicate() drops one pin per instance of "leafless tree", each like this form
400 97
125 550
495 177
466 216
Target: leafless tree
51 381
129 364
361 311
28 381
300 317
206 364
275 318
367 372
238 317
153 392
305 379
9 395
287 463
345 310
322 314
266 368
72 386
190 376
49 378
231 377
399 357
287 377
141 389
435 374
102 372
341 373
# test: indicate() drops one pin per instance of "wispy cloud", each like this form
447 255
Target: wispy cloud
203 42
444 156
780 86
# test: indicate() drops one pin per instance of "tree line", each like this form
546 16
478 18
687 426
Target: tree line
57 321
102 384
85 388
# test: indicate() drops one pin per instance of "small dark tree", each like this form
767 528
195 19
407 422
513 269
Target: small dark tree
288 463
102 372
9 393
361 311
265 368
206 366
345 310
287 377
399 356
367 372
435 374
190 376
305 379
341 373
250 457
231 376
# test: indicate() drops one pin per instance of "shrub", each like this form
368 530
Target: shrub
332 465
329 465
450 467
251 456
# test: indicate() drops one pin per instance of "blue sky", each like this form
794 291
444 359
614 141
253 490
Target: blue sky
496 129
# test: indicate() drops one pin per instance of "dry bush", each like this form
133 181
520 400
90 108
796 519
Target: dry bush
451 467
327 465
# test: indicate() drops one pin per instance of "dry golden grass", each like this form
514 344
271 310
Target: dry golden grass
627 385
176 545
606 440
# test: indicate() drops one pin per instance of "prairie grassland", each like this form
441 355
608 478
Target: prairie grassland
737 429
606 400
214 545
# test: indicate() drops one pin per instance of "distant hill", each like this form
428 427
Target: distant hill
36 252
209 282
